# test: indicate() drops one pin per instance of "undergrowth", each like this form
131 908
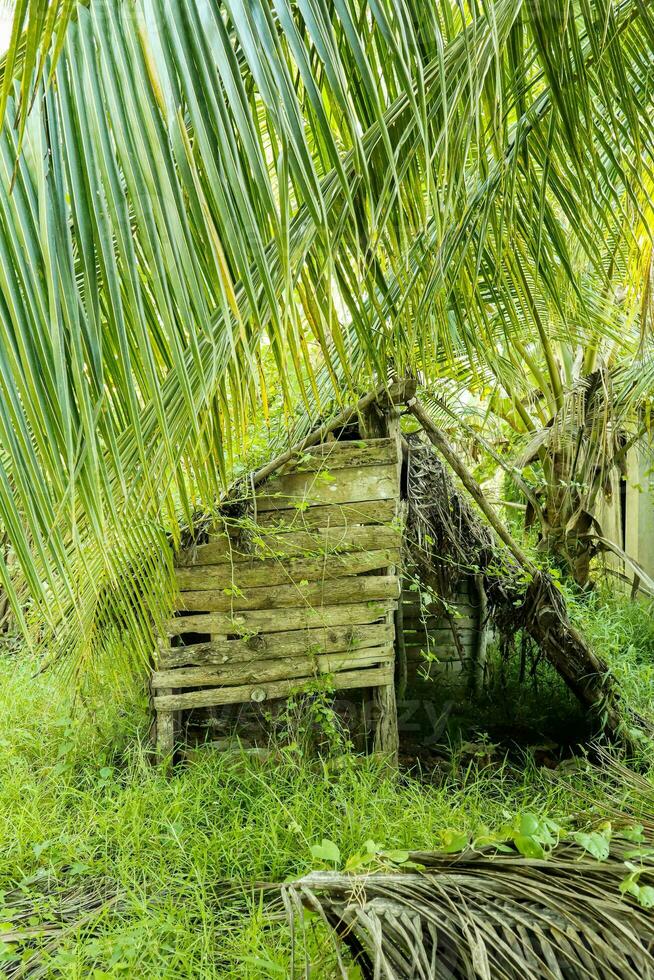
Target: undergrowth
80 801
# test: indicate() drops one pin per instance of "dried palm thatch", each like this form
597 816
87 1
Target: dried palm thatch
43 911
483 916
446 534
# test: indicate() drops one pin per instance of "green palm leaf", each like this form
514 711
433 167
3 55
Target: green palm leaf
216 204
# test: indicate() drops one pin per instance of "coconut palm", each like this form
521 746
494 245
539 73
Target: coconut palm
213 204
574 405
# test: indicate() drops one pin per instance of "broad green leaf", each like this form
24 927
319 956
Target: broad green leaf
529 847
595 843
453 841
327 851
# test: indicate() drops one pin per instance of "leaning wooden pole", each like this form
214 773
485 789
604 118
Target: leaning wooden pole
546 617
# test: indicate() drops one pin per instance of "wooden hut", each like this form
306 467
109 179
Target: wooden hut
303 587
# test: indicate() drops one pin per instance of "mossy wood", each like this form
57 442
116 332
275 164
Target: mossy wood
380 676
284 543
298 595
269 646
266 572
301 594
273 669
304 517
302 490
264 621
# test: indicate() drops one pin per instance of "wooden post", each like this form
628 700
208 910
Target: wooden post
165 730
165 722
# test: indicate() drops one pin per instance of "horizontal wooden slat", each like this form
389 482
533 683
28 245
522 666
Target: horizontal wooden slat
212 697
445 652
462 606
327 593
338 487
437 647
431 673
262 671
363 512
282 620
265 646
273 542
435 623
277 571
343 454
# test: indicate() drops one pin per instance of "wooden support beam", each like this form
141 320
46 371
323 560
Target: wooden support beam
165 730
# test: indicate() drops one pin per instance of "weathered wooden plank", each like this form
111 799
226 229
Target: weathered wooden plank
338 487
266 646
441 625
419 654
436 608
338 455
245 622
210 697
282 543
433 672
263 671
277 571
330 592
329 515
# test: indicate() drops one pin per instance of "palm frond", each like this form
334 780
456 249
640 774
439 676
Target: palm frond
214 204
485 915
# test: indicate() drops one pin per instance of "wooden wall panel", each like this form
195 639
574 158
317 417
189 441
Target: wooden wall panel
301 592
430 629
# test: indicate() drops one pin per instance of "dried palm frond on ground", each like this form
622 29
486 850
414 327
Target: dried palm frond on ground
42 912
486 916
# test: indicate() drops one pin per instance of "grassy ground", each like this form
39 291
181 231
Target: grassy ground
79 801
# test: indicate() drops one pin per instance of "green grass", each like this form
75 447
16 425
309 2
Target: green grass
623 633
79 800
